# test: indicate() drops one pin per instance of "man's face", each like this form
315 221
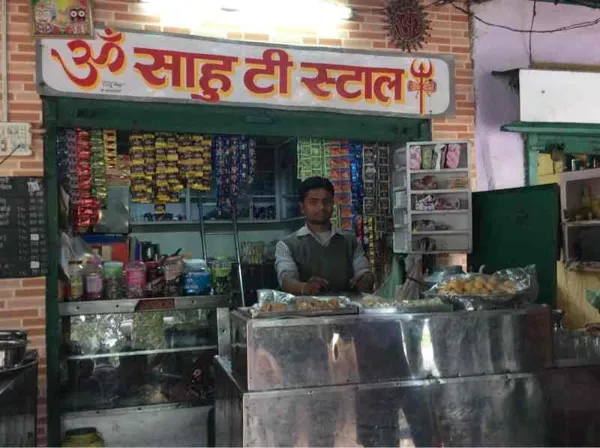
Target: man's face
317 207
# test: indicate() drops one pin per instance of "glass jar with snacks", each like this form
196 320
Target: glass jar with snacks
221 271
135 279
94 279
196 278
173 270
113 280
155 279
76 291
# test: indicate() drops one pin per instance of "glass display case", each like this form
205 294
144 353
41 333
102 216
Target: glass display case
141 355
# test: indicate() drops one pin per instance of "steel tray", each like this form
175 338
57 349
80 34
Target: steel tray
442 308
290 314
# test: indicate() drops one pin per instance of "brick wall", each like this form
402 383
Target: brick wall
22 301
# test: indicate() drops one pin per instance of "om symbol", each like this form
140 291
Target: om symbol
111 56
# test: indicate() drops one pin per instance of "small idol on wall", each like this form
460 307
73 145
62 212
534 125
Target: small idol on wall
62 18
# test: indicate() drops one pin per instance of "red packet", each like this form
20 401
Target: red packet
340 163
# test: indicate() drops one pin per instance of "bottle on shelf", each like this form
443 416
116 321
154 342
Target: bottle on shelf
196 278
135 280
113 280
155 279
220 270
76 283
94 279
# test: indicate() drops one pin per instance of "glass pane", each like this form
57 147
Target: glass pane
138 380
137 359
115 333
262 184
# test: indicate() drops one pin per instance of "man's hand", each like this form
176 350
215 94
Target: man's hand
314 285
363 282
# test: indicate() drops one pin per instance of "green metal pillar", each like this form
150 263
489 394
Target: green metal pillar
52 313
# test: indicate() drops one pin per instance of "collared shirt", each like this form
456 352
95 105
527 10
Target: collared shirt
286 266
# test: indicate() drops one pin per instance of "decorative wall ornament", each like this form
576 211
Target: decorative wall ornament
408 26
61 18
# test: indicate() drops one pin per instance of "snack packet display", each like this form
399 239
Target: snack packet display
140 146
235 160
414 157
86 208
508 288
453 155
98 167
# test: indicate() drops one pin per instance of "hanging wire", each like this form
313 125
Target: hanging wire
533 14
15 149
570 27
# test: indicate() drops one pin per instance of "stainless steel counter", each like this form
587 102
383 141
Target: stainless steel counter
322 351
555 407
444 379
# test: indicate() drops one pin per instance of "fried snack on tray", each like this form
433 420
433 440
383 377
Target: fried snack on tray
479 285
301 304
273 307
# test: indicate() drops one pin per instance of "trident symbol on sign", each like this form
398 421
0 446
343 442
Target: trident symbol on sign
423 86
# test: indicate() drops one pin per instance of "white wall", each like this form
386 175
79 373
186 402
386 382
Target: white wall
500 157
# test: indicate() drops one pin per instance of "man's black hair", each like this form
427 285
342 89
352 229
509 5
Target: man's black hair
314 183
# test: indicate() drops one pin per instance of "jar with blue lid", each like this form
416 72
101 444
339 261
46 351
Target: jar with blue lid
196 278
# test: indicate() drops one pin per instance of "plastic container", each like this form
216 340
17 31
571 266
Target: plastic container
114 287
83 437
135 280
94 279
196 278
173 268
155 279
76 290
220 270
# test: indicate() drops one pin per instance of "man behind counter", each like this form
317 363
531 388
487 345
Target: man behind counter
318 258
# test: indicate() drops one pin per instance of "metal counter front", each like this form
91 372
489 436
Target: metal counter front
325 351
446 379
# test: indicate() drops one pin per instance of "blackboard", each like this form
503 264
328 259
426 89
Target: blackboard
23 245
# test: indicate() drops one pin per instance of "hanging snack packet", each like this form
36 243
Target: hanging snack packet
414 157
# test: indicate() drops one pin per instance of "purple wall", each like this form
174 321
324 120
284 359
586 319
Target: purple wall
500 162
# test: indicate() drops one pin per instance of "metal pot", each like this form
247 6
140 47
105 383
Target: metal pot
12 352
13 335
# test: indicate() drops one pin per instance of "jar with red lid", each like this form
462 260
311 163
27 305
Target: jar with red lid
155 279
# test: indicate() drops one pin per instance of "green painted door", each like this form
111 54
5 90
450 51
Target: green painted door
518 227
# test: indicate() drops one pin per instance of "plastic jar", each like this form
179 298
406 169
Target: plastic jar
113 280
76 290
173 269
135 280
155 279
196 278
94 280
221 272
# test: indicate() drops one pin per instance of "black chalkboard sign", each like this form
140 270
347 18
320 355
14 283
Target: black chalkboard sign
23 248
